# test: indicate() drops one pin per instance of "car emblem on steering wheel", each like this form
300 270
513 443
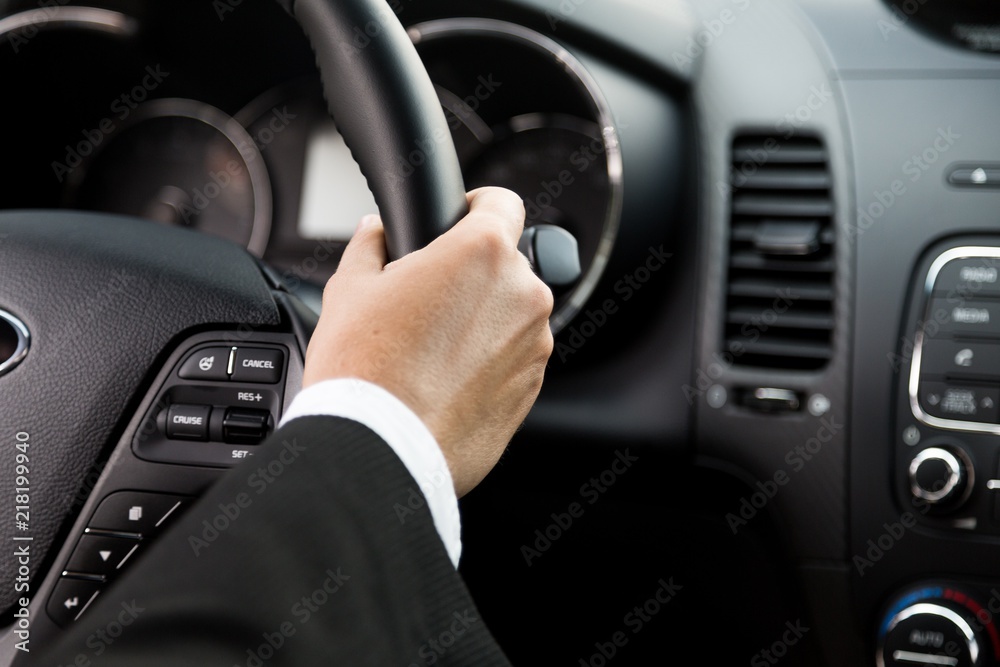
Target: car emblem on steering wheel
14 341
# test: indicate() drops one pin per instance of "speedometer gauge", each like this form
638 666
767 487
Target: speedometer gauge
525 114
184 163
557 164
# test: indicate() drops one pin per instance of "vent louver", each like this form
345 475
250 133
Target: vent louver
779 310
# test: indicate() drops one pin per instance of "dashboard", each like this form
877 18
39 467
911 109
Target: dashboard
787 214
260 162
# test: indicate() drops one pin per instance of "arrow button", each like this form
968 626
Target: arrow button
101 554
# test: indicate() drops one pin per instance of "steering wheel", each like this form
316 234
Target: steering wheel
95 308
388 112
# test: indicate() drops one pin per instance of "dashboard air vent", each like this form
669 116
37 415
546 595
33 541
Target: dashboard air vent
779 310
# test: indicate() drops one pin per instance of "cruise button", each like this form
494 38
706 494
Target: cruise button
253 364
188 422
209 363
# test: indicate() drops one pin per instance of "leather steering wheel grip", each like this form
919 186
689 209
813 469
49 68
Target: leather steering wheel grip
388 112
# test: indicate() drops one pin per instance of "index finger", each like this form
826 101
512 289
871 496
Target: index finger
499 207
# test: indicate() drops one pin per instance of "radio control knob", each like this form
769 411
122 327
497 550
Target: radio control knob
940 476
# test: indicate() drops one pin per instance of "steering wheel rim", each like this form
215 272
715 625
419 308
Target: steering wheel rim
387 110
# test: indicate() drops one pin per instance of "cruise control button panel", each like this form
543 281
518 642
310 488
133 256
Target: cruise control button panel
216 406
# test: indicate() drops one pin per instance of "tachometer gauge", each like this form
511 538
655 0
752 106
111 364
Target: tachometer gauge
181 162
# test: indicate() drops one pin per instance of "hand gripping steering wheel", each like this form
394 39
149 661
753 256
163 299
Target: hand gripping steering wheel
95 308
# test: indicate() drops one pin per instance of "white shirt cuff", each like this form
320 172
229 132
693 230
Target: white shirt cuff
405 433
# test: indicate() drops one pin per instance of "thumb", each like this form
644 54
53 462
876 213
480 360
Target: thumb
366 251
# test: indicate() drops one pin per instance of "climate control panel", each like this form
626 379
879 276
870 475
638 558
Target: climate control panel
940 623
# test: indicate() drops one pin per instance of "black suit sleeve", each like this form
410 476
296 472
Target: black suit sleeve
333 559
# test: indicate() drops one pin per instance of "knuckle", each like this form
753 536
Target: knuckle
540 298
493 242
548 343
517 206
333 287
487 246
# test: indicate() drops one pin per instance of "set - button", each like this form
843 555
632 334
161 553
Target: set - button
261 365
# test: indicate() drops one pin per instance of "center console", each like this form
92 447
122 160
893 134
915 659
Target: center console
946 455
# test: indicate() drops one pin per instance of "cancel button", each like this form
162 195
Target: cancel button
256 364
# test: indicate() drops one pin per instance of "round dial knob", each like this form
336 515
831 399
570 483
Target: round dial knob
930 633
938 624
940 475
